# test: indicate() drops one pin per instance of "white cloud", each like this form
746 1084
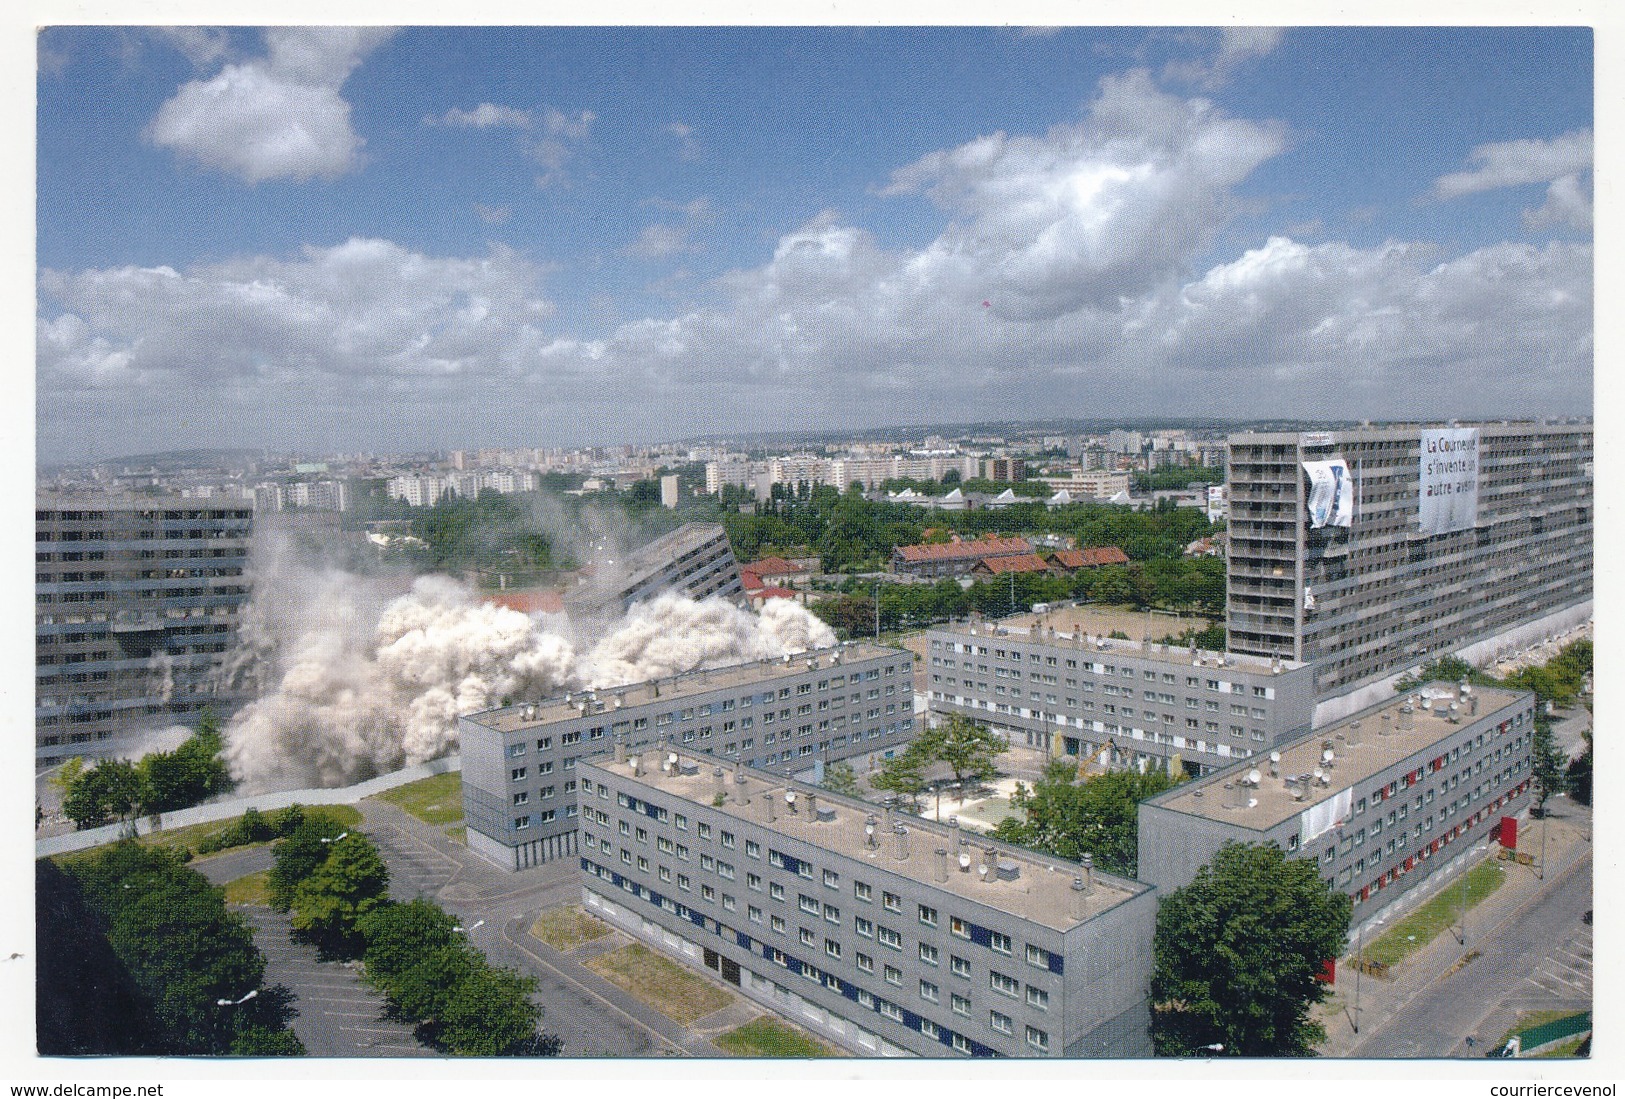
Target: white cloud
484 117
1518 163
1568 202
1090 212
203 46
492 215
688 147
1238 46
656 241
280 116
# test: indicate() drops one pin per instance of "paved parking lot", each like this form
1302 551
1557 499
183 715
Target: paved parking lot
338 1014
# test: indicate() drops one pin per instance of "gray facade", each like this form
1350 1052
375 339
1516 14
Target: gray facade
1383 594
1069 693
1379 800
694 560
136 599
519 762
886 943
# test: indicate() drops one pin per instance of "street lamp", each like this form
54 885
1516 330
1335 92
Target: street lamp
1359 968
233 1003
469 930
336 838
1216 1047
1479 850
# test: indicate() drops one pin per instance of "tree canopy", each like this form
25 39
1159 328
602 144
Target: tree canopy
1099 817
1238 952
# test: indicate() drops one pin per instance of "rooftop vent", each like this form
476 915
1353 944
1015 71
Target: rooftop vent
900 832
869 824
826 814
942 864
1007 869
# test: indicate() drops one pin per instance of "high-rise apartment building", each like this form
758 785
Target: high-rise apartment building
695 560
519 762
887 935
1368 552
136 600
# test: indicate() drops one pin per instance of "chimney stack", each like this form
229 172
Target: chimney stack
812 807
901 832
718 787
620 749
1088 878
767 800
942 864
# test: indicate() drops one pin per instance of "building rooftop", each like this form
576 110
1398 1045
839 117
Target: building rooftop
964 550
1025 884
1361 745
618 577
1044 631
578 705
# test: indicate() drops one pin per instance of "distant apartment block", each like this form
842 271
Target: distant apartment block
694 560
1120 703
1098 484
1368 552
885 935
519 762
137 598
1379 800
1010 470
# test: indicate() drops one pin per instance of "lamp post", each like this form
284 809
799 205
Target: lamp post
335 839
468 930
1479 850
222 1002
1359 968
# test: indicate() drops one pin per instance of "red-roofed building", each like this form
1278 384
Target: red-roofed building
761 595
955 558
529 600
772 571
1070 561
1002 566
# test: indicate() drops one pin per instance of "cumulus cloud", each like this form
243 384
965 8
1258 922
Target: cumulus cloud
548 136
1238 46
364 308
1517 163
687 146
1568 203
276 117
483 117
203 46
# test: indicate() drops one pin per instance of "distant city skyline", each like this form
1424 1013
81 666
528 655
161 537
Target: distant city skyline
435 238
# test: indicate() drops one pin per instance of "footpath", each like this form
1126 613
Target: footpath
1568 841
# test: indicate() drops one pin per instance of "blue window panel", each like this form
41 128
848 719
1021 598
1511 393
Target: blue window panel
979 934
696 918
1056 964
742 939
651 810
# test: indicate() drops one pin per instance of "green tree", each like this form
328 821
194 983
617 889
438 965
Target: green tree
1579 774
187 776
299 854
1237 954
350 882
399 935
839 778
969 748
1548 762
903 775
1099 817
111 790
490 1014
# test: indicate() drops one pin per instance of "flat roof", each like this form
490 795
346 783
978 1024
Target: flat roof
602 700
1360 748
1044 629
1041 892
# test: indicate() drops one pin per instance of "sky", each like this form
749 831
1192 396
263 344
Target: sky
390 240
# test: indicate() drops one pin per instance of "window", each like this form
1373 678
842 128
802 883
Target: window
959 965
999 943
928 916
862 892
708 892
683 883
753 849
890 938
775 890
1037 997
832 914
776 923
929 992
1037 955
865 963
832 879
807 937
1007 986
832 948
522 797
864 927
891 902
517 774
521 822
754 913
891 1010
515 751
807 904
930 1030
960 1004
1037 1039
753 881
928 954
894 976
959 927
1000 1022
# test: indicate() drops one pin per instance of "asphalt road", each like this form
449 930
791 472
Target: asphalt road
1539 958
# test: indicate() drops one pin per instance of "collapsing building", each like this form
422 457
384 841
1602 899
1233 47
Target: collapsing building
694 560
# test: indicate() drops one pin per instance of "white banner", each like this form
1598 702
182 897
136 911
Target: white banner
1449 492
1331 493
1322 818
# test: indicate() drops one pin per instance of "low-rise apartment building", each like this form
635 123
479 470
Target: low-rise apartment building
519 762
1132 703
887 938
1380 799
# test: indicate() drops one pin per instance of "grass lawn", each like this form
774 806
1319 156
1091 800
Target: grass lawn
437 799
1425 924
1567 1049
458 834
662 984
567 928
249 889
1528 1020
768 1037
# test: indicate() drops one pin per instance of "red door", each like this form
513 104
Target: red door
1509 833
